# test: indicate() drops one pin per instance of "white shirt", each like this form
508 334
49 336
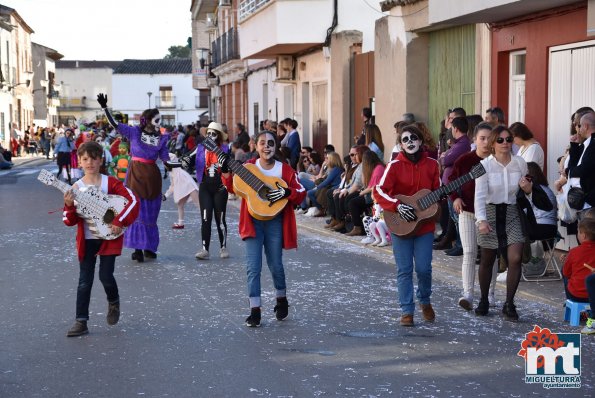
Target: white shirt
575 181
532 153
499 184
83 187
276 171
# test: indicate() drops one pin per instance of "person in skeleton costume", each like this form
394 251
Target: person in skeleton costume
273 235
410 172
213 177
143 178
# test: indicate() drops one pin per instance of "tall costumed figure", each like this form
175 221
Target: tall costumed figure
147 145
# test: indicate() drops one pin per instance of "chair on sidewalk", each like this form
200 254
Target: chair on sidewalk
573 311
549 247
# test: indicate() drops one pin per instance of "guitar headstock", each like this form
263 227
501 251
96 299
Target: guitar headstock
210 144
46 177
478 170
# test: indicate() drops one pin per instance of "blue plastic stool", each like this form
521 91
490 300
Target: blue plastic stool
573 312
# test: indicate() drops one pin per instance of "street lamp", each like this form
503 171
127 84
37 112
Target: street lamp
149 94
202 54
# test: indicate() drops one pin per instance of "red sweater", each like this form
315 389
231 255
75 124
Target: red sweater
574 268
403 177
462 166
298 193
126 217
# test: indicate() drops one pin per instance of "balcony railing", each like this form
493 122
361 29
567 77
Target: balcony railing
165 102
249 7
224 48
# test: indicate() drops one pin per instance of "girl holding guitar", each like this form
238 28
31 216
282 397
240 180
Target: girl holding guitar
273 233
410 172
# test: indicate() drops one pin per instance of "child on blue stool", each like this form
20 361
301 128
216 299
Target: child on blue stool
579 266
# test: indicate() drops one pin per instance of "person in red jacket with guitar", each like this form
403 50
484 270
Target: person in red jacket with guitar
409 173
89 247
267 219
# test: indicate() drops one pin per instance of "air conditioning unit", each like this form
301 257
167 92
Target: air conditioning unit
224 3
285 67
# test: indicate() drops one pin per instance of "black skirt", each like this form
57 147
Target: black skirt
63 159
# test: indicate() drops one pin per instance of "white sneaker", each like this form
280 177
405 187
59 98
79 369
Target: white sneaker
224 253
367 240
382 244
466 303
202 255
317 212
376 242
300 211
502 276
310 212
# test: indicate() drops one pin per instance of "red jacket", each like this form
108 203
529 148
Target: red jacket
126 217
462 166
403 177
298 193
574 268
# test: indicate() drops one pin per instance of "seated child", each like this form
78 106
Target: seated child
579 262
376 229
183 187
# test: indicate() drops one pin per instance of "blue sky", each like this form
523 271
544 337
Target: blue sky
107 29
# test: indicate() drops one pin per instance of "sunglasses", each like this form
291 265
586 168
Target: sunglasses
500 140
411 138
352 154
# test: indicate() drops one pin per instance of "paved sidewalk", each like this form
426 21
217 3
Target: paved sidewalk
548 292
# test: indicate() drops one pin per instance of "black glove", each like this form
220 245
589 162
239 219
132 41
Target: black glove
276 195
163 198
223 159
102 99
406 212
188 162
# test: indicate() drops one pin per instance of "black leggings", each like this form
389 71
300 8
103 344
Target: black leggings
212 198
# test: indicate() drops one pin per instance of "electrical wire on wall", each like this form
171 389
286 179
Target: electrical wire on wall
329 31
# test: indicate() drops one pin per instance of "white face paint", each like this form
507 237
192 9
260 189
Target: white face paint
156 121
266 146
410 143
212 134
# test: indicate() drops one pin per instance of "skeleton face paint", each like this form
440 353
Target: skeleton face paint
410 143
266 146
212 134
156 121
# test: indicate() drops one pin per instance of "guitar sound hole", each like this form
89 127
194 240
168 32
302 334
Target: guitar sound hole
109 216
262 193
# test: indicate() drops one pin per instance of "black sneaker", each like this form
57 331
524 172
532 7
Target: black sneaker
150 254
78 329
253 320
113 313
509 311
482 308
282 308
138 256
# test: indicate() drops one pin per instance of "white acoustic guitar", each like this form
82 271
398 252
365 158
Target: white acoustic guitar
97 208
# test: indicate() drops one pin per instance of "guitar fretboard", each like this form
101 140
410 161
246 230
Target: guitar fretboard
90 202
452 186
238 168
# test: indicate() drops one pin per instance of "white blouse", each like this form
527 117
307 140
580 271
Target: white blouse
499 184
532 153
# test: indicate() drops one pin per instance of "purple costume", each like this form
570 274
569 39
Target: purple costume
144 178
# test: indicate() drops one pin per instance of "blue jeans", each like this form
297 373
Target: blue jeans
308 184
406 250
87 274
269 234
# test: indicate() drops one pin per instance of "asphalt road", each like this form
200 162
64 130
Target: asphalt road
182 330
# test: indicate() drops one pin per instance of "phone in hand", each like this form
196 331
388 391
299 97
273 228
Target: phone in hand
529 178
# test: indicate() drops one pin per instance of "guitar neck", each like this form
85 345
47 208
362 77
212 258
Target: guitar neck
238 168
452 186
80 196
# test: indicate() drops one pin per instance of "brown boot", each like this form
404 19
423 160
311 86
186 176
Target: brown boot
340 225
406 320
428 312
331 224
78 329
356 231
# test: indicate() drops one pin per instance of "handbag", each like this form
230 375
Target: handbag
576 198
565 213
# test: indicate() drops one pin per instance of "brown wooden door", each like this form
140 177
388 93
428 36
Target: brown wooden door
319 116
